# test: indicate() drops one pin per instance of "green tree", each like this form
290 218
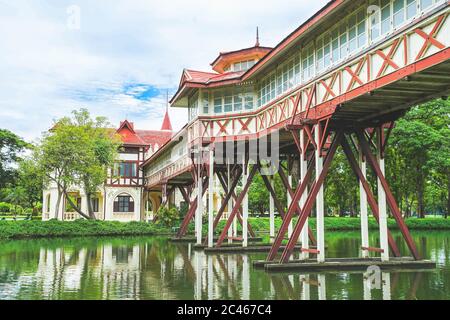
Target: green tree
16 196
10 148
341 187
30 179
419 155
78 152
259 195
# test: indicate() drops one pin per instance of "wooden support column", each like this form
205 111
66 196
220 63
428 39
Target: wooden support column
245 204
237 204
230 202
309 201
290 213
199 213
370 197
382 207
272 212
211 199
320 212
390 198
303 170
285 182
289 201
363 207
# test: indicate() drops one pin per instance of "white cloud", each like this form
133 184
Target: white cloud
47 70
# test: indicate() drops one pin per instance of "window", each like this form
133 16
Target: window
411 9
233 100
95 204
352 38
343 41
399 12
308 63
205 102
126 170
124 203
335 45
361 29
243 65
249 101
237 100
218 102
193 107
425 4
385 17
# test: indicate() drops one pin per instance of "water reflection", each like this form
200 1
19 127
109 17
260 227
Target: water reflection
156 269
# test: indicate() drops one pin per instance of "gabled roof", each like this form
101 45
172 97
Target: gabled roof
205 78
130 136
224 58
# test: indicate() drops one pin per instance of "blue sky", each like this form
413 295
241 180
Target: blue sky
125 55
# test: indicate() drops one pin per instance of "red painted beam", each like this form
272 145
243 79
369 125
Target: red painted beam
389 196
285 182
191 212
310 200
237 204
370 197
288 216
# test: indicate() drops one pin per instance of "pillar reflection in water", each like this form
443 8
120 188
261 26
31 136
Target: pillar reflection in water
377 281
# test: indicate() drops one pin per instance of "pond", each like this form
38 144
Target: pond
154 268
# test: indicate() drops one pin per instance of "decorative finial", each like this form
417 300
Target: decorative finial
257 37
167 100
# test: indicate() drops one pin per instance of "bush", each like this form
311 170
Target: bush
167 217
55 228
4 207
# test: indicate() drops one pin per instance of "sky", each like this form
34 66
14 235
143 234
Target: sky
119 58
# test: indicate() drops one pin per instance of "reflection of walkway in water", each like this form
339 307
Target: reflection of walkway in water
158 270
374 285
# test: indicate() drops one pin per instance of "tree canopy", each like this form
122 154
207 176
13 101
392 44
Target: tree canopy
11 146
78 152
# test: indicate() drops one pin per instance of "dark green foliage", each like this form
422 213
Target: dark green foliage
167 217
53 228
10 148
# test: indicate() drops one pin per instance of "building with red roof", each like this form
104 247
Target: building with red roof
122 197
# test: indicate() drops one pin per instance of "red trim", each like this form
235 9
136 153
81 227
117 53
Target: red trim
429 38
387 59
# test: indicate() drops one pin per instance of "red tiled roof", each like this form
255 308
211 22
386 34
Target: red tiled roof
152 137
129 136
240 51
209 77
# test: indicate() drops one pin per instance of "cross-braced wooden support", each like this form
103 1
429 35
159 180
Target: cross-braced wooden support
289 215
191 211
228 195
370 197
309 201
238 203
286 185
389 196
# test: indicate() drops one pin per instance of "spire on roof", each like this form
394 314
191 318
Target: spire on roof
167 125
257 37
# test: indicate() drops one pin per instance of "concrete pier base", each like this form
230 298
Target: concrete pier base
348 264
239 249
193 239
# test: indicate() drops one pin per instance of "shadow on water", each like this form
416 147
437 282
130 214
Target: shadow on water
153 268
